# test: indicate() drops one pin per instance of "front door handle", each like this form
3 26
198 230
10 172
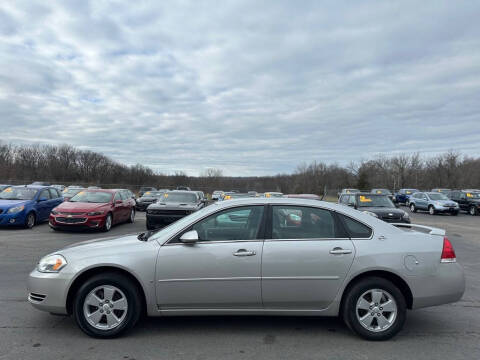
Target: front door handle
340 251
244 252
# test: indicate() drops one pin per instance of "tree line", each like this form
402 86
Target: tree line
65 164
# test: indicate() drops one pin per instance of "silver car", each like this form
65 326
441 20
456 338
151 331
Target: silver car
254 256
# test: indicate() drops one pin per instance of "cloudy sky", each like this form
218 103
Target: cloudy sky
250 87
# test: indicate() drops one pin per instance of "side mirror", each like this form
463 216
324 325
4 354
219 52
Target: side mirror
190 237
42 199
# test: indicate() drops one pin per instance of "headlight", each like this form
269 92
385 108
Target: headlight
16 209
51 264
54 212
95 213
371 213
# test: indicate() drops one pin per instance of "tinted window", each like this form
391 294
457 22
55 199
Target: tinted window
54 193
180 197
242 223
44 194
355 228
298 222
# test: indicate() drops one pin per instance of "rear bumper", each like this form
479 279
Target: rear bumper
446 286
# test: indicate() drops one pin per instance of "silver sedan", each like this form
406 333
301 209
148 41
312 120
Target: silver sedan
254 256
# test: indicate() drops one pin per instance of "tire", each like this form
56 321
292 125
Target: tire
455 213
30 220
472 210
431 210
108 223
131 218
407 202
354 309
413 209
122 300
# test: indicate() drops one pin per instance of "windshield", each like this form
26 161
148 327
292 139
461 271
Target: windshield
92 197
470 195
374 201
153 194
382 191
180 197
71 192
410 191
437 196
18 193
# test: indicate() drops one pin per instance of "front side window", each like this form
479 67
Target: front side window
54 193
299 222
45 194
242 223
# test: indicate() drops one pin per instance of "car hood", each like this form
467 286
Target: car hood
173 206
80 206
382 210
100 244
6 204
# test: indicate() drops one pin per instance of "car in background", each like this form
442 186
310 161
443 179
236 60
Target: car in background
94 209
403 196
246 257
93 187
59 187
444 191
184 188
433 202
235 195
148 198
273 194
174 206
467 200
144 189
348 191
27 205
304 196
4 186
40 183
376 205
383 192
217 195
252 193
71 191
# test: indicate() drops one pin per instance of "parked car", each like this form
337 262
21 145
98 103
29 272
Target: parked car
175 205
383 192
348 191
376 205
433 202
235 195
148 198
444 191
245 257
4 186
467 200
252 193
184 188
403 196
70 192
94 209
273 194
304 196
217 195
27 205
144 189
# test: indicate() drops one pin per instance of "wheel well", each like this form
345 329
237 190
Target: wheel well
98 270
395 279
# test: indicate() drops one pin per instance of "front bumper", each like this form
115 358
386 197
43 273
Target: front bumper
48 291
17 219
77 221
446 209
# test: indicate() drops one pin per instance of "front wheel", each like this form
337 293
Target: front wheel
106 305
30 221
108 223
375 309
413 208
431 210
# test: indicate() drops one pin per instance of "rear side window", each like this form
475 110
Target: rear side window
356 229
298 222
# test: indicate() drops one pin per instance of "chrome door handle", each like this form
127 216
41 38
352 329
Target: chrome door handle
244 252
340 251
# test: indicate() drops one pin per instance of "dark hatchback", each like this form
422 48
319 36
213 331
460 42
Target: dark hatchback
377 205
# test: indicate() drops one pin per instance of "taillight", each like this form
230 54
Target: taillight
448 254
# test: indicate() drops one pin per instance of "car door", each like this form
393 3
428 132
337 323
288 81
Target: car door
43 207
221 270
306 257
55 199
118 208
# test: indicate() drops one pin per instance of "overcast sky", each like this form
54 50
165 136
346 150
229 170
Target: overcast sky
250 87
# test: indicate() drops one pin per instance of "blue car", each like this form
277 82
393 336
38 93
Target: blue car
403 196
27 205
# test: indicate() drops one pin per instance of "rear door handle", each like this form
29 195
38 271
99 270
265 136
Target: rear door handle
244 252
340 251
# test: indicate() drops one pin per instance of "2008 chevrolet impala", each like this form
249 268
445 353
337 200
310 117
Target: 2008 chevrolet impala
270 256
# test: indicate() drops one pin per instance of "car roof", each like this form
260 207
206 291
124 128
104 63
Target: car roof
37 187
111 191
183 191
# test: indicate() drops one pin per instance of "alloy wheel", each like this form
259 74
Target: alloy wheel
105 307
376 310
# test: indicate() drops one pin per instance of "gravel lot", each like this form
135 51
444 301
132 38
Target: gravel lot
448 331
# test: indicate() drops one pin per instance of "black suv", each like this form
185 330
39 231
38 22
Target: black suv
468 201
377 205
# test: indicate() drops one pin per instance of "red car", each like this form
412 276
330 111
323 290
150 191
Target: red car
94 209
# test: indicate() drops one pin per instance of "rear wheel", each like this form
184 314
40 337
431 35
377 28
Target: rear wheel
413 208
472 211
107 305
431 210
30 221
375 309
